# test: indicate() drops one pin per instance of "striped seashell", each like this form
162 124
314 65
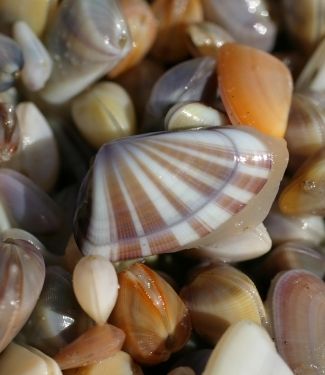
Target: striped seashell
169 191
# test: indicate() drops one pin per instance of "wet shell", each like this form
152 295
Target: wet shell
22 272
165 192
265 78
297 305
220 296
9 132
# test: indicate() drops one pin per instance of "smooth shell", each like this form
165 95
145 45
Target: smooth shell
164 192
9 132
256 92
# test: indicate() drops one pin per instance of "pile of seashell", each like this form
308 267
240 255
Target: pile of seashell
162 187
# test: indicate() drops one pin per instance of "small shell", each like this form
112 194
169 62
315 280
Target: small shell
9 132
96 286
297 306
95 345
246 349
38 64
193 115
173 17
305 193
169 191
20 360
181 371
104 113
155 320
143 28
9 96
249 22
86 40
220 296
22 272
268 82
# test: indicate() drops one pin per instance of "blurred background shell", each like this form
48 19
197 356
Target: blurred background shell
9 132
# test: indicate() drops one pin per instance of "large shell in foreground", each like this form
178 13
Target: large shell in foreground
165 192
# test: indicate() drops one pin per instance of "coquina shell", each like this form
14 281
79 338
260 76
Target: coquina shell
164 192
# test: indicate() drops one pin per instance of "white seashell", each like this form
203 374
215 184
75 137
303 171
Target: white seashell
248 244
95 286
37 155
246 349
193 115
20 360
165 192
37 62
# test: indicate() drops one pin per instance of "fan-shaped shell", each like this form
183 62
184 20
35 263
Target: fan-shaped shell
164 192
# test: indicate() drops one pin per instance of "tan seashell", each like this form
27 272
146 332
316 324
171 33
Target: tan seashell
174 16
220 296
305 193
155 320
143 28
95 345
268 82
95 286
181 371
103 113
72 255
19 360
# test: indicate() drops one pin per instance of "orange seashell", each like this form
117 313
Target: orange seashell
96 344
255 87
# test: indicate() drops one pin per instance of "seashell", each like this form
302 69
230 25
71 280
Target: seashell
220 296
22 273
155 320
318 97
190 81
20 360
37 62
119 364
193 115
248 22
25 205
195 360
9 132
169 191
104 113
37 155
35 14
205 38
95 286
72 255
93 346
282 228
308 17
143 28
181 371
9 96
306 129
57 317
174 16
86 40
304 194
299 337
246 349
11 62
268 81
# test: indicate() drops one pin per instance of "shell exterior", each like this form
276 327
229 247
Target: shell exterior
95 345
95 286
9 132
37 62
246 349
11 62
155 320
143 28
20 360
220 296
9 96
22 271
57 317
86 40
268 82
165 192
103 113
189 81
181 371
297 306
248 22
174 16
305 192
